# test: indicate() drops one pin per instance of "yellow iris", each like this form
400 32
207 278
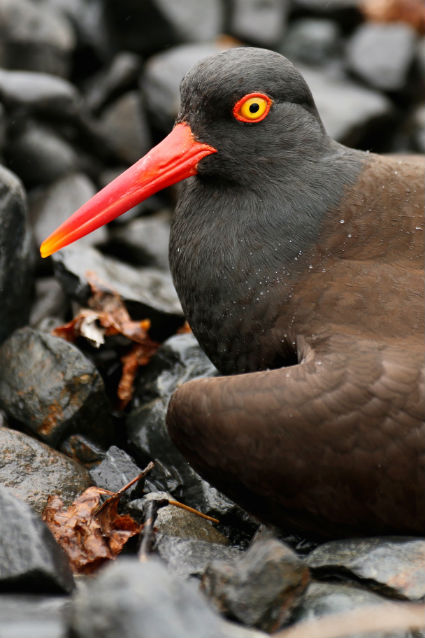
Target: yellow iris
253 108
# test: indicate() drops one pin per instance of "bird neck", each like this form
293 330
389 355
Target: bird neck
231 246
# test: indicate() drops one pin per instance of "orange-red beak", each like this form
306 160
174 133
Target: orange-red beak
172 160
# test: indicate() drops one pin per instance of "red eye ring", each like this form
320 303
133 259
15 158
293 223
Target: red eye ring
260 100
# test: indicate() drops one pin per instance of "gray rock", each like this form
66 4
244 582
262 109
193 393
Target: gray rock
173 521
143 600
125 128
312 41
178 360
51 206
50 303
120 75
116 470
156 24
322 599
16 256
39 156
328 7
147 291
162 76
143 241
419 129
48 385
189 558
382 54
33 471
348 110
261 588
30 559
38 93
259 22
392 566
26 616
34 38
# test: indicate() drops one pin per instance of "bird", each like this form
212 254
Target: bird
299 265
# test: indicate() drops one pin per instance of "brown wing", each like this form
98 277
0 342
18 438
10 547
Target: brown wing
335 444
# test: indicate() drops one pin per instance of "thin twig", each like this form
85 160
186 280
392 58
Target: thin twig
193 511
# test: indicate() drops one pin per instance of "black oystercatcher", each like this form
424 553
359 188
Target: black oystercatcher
299 265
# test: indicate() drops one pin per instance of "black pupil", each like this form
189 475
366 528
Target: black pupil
253 108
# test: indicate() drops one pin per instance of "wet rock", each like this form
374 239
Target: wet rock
322 599
147 292
143 242
125 128
49 386
30 558
392 566
34 38
189 558
116 470
259 22
418 133
38 93
51 206
345 12
382 54
162 76
121 74
32 616
173 521
349 111
16 247
142 600
32 470
312 41
178 360
154 24
39 156
259 589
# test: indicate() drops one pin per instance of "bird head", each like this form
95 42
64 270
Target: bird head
245 114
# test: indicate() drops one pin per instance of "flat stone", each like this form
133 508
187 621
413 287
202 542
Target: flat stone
143 241
33 471
50 304
125 128
121 74
16 250
382 54
49 386
148 292
143 600
349 111
173 521
261 588
322 599
116 470
391 566
32 616
52 205
157 24
161 79
39 155
30 559
259 22
189 558
38 93
34 38
312 41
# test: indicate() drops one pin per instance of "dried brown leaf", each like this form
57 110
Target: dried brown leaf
90 532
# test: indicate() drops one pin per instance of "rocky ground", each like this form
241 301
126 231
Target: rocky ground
86 87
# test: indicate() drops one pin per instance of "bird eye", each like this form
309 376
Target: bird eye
253 107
